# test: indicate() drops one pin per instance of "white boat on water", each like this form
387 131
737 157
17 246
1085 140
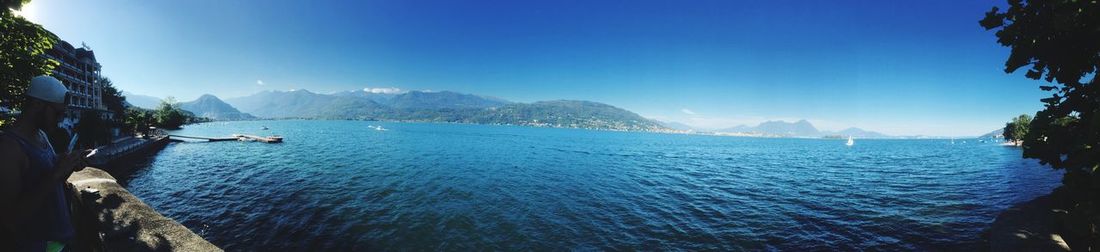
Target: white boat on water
378 128
850 141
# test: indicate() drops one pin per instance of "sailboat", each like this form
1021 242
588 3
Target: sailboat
850 141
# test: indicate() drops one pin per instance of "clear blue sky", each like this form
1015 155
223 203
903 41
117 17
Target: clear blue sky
898 67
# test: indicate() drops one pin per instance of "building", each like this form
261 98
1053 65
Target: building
80 72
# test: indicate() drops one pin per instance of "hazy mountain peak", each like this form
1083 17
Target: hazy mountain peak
212 107
800 128
141 101
385 90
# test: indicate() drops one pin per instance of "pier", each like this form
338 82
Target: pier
235 137
211 139
124 149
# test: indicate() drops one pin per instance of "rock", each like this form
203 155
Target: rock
1035 225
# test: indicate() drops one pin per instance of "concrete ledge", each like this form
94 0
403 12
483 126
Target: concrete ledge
124 222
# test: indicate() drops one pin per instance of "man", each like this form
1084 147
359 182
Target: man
34 214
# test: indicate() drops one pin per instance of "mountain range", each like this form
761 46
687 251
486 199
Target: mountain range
800 128
442 106
210 106
427 100
142 101
446 106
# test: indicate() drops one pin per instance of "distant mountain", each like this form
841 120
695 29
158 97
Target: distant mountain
441 100
441 107
781 128
857 133
738 128
999 133
427 100
210 106
676 125
801 128
380 98
567 114
142 101
305 104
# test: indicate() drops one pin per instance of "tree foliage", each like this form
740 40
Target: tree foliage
169 115
112 97
22 45
1059 43
13 4
1016 129
137 119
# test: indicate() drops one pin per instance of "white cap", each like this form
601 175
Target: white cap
47 88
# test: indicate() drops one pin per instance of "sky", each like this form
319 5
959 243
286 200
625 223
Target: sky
897 67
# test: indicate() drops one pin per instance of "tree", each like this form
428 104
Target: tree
1059 42
137 120
22 44
1016 129
169 115
112 97
13 4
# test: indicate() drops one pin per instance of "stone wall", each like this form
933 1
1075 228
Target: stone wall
119 221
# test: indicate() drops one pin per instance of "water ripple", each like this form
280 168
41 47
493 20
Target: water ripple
336 186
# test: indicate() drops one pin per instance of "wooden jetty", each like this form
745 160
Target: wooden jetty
267 139
235 137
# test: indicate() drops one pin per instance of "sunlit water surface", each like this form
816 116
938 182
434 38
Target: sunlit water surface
422 186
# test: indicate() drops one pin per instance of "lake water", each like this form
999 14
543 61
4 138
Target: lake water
422 186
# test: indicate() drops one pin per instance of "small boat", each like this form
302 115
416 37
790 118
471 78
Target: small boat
378 128
850 141
263 127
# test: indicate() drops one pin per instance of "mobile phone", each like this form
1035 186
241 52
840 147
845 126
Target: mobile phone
72 142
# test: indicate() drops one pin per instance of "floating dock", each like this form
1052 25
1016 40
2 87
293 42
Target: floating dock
235 137
267 139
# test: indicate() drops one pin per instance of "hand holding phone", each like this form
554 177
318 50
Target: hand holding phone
72 143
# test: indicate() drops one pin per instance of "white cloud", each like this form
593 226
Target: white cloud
385 90
260 82
687 111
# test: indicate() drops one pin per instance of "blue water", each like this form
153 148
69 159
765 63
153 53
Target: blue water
422 186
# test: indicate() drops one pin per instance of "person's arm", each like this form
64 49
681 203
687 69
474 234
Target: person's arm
28 202
10 184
